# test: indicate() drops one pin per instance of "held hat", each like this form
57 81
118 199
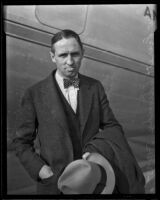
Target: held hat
92 176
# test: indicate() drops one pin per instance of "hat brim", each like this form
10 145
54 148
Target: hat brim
110 182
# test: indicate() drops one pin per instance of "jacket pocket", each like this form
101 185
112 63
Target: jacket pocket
48 180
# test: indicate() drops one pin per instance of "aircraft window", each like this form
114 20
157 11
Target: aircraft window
63 16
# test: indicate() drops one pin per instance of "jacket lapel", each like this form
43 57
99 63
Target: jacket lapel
53 102
85 100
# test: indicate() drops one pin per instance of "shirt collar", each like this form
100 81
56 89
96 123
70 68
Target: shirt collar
59 80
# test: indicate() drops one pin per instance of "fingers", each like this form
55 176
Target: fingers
45 172
85 155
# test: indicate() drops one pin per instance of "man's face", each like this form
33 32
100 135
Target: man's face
67 56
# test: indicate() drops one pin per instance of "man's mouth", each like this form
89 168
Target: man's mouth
71 69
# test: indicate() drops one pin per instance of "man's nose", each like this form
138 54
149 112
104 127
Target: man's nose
69 60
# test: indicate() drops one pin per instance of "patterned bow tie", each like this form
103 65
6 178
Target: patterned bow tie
71 82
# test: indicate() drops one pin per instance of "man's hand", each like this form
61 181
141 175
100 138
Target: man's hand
45 172
85 155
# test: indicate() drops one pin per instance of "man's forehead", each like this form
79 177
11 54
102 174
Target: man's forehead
67 42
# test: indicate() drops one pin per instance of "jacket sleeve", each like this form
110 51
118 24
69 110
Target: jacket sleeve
26 129
110 141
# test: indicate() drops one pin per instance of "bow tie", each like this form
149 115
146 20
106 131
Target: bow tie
71 82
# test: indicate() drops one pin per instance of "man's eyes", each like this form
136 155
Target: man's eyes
75 54
72 54
63 55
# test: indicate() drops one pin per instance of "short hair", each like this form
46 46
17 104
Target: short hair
65 34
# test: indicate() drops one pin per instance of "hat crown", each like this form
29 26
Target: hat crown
79 177
92 176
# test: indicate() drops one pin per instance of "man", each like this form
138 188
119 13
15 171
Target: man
71 120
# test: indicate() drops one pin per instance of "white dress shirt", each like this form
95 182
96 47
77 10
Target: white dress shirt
69 93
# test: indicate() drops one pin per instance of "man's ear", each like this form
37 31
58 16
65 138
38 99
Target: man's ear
52 56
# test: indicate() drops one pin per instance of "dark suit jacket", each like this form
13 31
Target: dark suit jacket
42 115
